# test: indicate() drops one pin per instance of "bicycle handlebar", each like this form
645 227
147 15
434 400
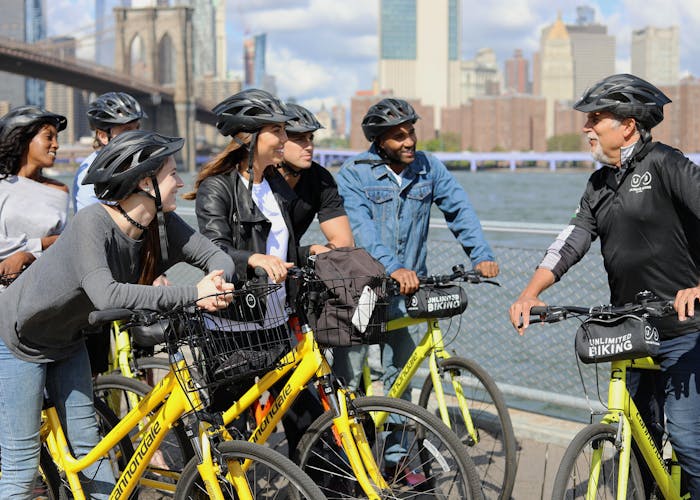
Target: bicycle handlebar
651 306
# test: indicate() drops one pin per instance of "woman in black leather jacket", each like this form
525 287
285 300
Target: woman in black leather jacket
243 205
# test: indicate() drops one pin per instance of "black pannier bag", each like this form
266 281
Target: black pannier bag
437 301
625 337
348 304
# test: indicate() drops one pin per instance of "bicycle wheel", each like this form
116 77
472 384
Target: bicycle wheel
494 454
416 453
120 393
151 369
270 475
573 477
48 483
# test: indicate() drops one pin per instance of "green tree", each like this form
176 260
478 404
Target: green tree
564 142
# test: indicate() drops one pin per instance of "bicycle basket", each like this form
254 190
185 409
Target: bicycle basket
225 350
347 311
625 337
437 301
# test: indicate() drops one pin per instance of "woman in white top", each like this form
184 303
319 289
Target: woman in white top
33 208
243 205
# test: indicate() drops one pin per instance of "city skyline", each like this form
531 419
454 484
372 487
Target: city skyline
322 51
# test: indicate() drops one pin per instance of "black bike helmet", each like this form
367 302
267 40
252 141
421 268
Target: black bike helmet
126 160
113 108
248 111
24 116
626 96
302 121
385 114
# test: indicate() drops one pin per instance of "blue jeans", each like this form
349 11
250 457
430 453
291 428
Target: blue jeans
69 385
678 384
348 361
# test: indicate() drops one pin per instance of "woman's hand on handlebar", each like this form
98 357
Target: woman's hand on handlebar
16 262
520 312
275 267
487 268
210 290
407 280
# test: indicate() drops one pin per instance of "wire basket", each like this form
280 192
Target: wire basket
346 311
247 339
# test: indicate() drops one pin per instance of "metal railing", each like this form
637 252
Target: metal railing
537 371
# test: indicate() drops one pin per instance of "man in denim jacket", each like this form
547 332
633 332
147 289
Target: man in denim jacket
388 192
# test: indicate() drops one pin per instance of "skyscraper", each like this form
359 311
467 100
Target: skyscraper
12 25
480 76
419 50
593 50
656 54
556 69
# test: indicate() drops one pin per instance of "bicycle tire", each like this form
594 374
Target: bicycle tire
48 483
175 450
571 480
441 467
495 452
288 480
159 368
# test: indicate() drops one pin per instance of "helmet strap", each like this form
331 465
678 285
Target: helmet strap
251 159
161 221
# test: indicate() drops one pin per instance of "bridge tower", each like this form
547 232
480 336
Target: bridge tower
156 43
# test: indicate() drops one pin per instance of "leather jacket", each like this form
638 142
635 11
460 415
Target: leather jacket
227 215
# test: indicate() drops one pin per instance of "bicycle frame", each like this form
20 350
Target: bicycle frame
306 362
623 413
175 402
432 347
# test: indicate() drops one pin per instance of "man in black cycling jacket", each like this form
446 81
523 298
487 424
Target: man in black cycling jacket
644 204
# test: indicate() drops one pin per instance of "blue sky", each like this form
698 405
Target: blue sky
322 51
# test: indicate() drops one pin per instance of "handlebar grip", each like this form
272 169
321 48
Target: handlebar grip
537 310
108 315
260 272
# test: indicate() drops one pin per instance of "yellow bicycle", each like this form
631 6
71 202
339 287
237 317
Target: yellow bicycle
229 469
600 462
347 451
458 389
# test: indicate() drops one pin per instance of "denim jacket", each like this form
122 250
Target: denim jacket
392 221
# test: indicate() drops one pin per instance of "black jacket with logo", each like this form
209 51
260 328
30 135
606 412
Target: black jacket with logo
648 221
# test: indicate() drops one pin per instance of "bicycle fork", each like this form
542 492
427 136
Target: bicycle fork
436 374
349 435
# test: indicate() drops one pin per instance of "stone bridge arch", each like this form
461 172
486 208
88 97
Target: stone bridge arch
165 58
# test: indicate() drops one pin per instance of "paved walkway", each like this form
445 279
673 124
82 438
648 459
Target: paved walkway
541 444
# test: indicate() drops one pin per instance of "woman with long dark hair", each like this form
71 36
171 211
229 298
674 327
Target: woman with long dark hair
243 205
33 207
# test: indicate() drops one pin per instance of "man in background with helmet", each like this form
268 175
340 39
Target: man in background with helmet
388 192
644 204
109 115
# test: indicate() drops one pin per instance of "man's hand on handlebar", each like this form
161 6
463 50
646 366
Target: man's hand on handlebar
685 302
520 312
407 280
487 268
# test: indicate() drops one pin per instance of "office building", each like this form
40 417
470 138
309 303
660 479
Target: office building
67 101
655 54
593 50
419 51
516 78
480 76
22 20
498 123
556 69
